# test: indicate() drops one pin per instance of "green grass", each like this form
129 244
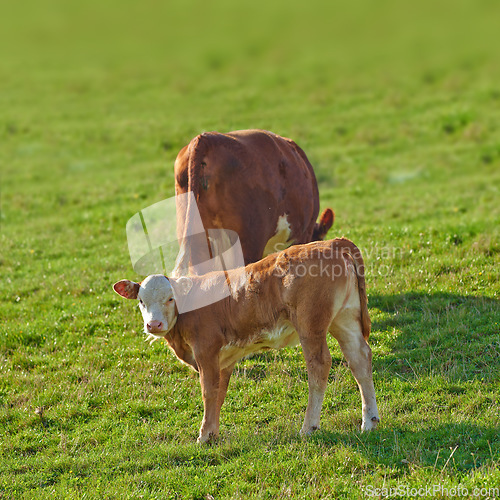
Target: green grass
398 109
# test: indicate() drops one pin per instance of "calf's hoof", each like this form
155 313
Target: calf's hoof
370 425
207 438
307 431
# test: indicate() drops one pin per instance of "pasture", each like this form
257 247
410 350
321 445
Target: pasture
397 108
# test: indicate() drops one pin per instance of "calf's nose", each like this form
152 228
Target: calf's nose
154 326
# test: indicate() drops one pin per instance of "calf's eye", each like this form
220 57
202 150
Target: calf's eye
171 299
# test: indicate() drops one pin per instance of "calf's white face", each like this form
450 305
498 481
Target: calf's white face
156 302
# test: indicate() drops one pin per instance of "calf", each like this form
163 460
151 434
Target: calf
297 295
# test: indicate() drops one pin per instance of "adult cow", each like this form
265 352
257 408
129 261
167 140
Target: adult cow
253 182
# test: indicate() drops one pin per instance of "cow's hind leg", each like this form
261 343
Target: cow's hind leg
318 362
346 329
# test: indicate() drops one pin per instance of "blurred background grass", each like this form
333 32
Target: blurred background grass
196 35
293 41
75 73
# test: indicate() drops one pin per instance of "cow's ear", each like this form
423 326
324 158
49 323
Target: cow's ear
127 289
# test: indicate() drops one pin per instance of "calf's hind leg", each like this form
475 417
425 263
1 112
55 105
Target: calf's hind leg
318 362
357 352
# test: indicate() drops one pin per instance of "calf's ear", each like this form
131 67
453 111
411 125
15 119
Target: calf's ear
127 289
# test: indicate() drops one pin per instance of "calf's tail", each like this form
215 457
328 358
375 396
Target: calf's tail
354 252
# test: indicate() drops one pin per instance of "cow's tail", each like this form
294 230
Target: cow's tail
196 152
354 252
323 225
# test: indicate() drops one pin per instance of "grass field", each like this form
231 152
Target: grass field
398 109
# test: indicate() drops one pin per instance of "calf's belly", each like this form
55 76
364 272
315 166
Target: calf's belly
282 335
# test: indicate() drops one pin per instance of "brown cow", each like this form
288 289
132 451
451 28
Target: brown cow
255 183
297 295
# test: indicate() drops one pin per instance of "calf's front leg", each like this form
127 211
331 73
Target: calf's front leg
210 383
210 426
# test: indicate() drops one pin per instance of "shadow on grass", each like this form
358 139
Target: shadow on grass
452 448
460 447
440 333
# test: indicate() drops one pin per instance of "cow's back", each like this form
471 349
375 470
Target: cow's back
253 182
